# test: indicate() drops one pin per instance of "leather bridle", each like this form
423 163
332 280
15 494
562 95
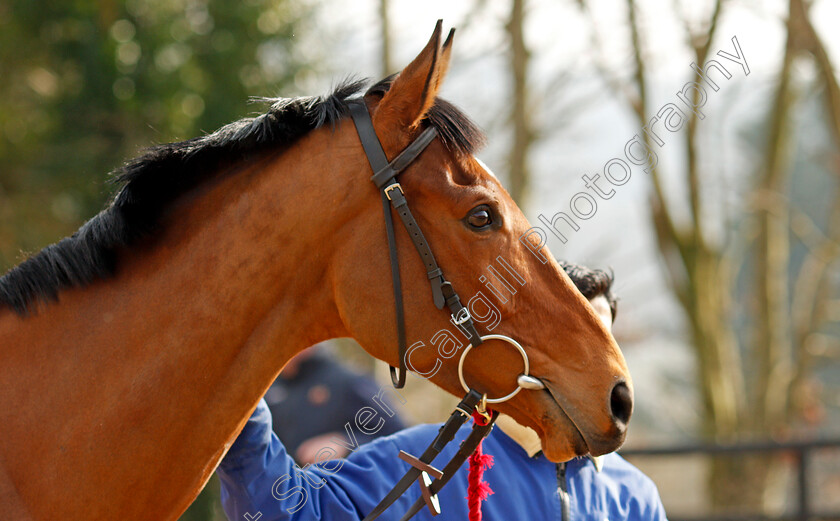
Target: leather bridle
385 178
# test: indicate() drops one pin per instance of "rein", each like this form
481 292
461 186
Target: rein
392 195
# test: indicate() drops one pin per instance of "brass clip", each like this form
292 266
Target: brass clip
481 408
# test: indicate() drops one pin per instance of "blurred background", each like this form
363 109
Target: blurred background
725 253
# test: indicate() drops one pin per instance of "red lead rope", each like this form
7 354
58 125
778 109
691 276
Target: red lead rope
478 490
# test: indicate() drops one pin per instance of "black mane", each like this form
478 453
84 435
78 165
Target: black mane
151 182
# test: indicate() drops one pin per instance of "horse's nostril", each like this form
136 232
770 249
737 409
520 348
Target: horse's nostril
621 403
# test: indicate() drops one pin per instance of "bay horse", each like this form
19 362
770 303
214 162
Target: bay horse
134 351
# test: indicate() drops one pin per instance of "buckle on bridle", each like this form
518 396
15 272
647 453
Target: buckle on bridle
391 187
461 316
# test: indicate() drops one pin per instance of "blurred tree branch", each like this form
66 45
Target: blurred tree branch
701 270
695 267
772 347
385 36
811 295
524 134
614 82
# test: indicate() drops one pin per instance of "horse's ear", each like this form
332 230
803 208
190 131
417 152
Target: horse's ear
413 91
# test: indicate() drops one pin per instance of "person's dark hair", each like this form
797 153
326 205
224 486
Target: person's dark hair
592 283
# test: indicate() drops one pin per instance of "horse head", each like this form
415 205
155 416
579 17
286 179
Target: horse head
476 232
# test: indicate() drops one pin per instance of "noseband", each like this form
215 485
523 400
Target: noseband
392 195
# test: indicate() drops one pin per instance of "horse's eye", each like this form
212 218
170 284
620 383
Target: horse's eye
480 217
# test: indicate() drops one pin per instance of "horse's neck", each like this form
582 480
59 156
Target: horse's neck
163 361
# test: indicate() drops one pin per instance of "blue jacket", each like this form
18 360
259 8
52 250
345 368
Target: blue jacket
261 481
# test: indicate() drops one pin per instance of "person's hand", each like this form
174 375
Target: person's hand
308 450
